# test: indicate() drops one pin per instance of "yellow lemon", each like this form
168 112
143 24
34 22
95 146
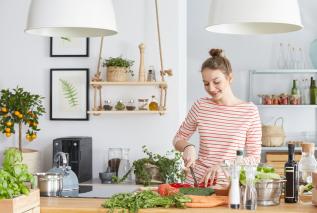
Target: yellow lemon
20 116
4 109
9 124
34 136
7 130
28 137
17 113
8 134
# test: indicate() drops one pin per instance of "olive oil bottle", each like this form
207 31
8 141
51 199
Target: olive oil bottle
291 174
153 105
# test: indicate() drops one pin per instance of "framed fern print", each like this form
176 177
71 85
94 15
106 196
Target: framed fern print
69 47
69 95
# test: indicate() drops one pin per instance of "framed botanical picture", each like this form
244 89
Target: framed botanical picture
69 47
69 95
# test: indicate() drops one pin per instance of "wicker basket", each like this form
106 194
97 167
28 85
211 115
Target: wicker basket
117 74
273 135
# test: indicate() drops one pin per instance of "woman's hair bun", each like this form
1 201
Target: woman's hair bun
215 52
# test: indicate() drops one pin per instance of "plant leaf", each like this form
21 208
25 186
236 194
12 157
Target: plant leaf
70 93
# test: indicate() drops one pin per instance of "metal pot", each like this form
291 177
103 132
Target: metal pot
269 192
50 184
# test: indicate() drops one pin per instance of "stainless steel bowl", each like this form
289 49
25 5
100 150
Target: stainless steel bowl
50 184
269 192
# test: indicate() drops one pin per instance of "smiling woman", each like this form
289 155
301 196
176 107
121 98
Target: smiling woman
225 124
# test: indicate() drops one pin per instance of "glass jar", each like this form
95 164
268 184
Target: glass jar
107 106
114 158
267 100
130 105
143 102
284 99
120 106
294 100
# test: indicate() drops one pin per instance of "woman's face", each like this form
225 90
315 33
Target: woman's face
216 83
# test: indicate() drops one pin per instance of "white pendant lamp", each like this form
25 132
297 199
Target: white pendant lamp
71 18
254 16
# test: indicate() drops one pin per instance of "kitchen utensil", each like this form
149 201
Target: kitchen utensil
50 184
194 177
106 177
269 192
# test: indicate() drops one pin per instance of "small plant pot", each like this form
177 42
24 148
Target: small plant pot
117 74
154 173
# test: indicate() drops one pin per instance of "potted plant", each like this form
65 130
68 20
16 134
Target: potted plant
157 168
15 195
118 69
17 108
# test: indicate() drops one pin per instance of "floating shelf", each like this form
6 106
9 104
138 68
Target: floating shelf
286 106
283 71
130 83
161 112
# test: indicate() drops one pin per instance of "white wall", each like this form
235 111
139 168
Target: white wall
245 53
25 62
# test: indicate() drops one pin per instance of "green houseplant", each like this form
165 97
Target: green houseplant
165 168
118 68
20 107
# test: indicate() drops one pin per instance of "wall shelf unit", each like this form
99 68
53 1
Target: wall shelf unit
160 112
129 83
285 106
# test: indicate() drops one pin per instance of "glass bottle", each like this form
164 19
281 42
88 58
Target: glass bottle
307 163
313 91
124 166
114 158
281 60
250 195
291 174
305 92
295 98
130 105
153 105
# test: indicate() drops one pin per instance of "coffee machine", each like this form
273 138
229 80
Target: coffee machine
79 151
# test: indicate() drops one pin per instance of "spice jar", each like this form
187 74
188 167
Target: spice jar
294 100
143 103
283 99
153 105
107 105
275 99
130 105
120 106
267 99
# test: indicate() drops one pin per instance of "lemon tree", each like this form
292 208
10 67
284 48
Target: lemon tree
19 107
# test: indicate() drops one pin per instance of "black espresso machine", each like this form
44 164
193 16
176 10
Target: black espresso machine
79 151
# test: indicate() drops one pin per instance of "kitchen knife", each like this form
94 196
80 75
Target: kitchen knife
194 177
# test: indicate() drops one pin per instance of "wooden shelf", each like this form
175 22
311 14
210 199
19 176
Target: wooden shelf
130 83
286 106
284 71
161 112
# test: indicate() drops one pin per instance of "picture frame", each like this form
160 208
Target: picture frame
69 47
69 94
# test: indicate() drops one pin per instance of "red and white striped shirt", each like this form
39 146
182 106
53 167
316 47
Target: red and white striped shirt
222 131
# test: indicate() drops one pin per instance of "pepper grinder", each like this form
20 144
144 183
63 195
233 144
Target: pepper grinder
141 68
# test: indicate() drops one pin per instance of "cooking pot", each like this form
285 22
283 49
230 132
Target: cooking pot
50 184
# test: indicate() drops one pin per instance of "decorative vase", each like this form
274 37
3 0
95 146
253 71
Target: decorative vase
31 158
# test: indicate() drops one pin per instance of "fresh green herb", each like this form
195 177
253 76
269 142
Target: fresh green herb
117 180
308 187
132 202
119 62
262 173
13 175
169 167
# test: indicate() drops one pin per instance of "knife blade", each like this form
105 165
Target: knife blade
194 177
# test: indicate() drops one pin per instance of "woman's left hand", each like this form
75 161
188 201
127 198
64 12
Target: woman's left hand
209 175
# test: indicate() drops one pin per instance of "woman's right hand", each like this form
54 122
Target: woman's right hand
189 156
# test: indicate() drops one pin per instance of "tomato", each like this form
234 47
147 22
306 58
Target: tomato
167 190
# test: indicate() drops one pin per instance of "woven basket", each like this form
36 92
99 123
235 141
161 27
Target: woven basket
117 74
273 135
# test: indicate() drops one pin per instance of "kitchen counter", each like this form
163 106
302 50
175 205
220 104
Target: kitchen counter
90 205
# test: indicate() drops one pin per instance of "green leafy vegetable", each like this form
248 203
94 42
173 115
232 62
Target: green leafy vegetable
132 202
262 173
13 175
196 191
70 93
